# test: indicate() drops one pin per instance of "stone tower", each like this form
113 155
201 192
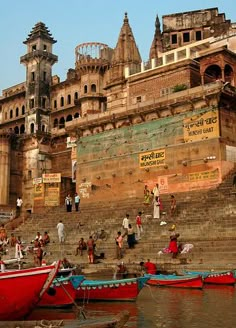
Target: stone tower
38 61
92 63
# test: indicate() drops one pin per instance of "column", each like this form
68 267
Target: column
4 169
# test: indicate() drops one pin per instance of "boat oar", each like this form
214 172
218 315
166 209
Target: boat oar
79 308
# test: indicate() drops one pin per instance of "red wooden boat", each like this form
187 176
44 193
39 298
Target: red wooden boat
21 290
186 281
110 290
215 277
61 293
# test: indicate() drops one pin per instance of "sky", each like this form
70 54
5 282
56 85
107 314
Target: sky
72 22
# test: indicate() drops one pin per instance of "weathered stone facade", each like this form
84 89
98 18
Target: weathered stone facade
171 120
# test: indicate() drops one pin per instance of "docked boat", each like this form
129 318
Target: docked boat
109 290
61 293
186 281
21 290
117 321
215 277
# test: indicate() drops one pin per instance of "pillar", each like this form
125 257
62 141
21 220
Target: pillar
4 169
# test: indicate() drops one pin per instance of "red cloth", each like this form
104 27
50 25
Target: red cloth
150 267
138 220
173 247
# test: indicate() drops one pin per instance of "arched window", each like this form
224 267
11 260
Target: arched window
11 113
31 103
93 88
85 89
76 95
76 115
55 123
229 74
43 102
212 74
61 123
62 101
68 99
69 118
23 110
43 128
22 129
16 130
17 111
55 104
32 128
5 115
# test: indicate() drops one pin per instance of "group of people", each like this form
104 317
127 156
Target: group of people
39 243
154 197
128 231
69 202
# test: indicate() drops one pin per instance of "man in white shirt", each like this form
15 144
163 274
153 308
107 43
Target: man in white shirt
156 190
77 201
61 232
19 203
125 224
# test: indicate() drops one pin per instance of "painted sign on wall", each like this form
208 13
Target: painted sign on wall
204 175
38 191
153 158
52 196
202 126
51 177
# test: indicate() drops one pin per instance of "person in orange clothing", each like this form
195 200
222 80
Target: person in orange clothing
149 267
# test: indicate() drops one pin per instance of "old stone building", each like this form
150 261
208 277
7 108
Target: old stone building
117 123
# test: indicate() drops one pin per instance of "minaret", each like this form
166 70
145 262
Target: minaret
38 61
156 46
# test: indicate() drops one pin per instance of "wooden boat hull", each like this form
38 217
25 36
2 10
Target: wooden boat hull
21 290
110 290
175 281
117 321
216 277
60 294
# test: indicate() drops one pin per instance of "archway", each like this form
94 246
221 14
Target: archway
212 74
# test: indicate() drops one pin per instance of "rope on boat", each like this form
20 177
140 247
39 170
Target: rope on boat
48 324
150 290
78 308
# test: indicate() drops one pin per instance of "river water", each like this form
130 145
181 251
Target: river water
212 307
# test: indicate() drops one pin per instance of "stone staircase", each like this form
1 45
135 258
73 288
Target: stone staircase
205 218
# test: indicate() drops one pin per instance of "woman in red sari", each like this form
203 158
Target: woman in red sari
173 246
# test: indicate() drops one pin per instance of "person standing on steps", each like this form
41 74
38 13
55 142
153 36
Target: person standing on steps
125 224
61 232
90 247
172 205
119 245
19 203
77 202
156 191
68 203
146 192
139 225
156 207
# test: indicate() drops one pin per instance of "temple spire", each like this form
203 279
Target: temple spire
126 50
156 46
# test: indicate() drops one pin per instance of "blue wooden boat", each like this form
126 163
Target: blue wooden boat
109 290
